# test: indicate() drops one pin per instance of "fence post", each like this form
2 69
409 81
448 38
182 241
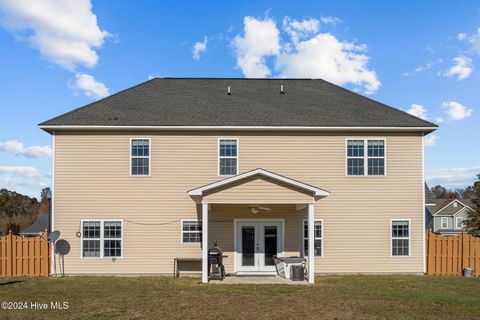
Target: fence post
464 252
431 253
9 251
45 254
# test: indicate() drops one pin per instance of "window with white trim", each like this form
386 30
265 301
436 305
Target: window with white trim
102 239
365 157
458 222
140 157
444 221
191 231
318 238
400 237
228 157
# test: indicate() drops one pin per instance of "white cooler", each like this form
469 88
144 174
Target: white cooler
283 265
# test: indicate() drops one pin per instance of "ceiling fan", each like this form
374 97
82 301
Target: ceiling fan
256 209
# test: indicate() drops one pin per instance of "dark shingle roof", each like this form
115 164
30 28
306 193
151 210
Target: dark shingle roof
448 205
253 102
38 227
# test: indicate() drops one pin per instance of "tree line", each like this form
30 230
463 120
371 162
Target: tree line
472 223
18 211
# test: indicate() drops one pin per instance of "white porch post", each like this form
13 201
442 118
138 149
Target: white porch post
205 243
311 243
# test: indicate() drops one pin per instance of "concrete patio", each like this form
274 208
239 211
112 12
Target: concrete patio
257 280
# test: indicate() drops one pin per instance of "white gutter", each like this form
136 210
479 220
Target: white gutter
240 128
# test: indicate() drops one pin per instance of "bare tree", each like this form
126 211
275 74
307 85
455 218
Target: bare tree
439 192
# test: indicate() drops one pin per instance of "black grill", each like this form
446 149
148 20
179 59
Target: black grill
216 270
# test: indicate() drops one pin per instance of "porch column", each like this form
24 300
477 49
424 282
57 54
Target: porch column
311 243
205 243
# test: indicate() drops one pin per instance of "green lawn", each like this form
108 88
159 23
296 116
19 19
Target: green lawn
332 297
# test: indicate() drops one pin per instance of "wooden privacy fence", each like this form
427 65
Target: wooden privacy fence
24 256
449 255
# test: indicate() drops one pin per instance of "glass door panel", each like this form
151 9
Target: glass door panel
248 246
270 244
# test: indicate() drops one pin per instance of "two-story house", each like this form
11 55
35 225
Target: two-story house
287 167
447 216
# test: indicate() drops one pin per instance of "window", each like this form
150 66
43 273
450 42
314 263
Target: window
458 222
444 222
112 243
400 238
191 231
101 239
318 237
376 157
91 239
228 157
355 158
140 157
366 157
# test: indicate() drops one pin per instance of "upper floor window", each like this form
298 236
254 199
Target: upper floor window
227 157
140 157
366 157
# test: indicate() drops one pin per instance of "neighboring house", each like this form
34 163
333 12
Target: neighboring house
288 167
38 227
448 215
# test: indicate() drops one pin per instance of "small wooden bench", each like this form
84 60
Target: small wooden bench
176 270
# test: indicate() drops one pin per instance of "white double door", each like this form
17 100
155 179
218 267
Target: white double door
257 243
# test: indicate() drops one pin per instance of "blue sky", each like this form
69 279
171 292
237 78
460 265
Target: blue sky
423 57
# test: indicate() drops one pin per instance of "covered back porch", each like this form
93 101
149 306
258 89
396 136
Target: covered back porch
254 216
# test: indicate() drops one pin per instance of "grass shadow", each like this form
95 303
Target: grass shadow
11 282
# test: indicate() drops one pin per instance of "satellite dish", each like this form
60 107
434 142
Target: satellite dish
53 236
62 247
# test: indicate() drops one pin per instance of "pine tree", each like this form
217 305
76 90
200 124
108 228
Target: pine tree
472 223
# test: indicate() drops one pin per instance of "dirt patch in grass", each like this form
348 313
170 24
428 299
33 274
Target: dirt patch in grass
332 297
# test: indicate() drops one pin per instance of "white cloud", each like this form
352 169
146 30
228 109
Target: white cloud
307 54
23 171
89 86
330 20
456 111
260 40
324 56
461 36
473 40
65 32
430 140
17 148
439 120
462 68
300 29
427 66
199 47
418 111
453 177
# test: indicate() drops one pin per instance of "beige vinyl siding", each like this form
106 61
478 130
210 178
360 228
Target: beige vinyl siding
257 190
92 181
